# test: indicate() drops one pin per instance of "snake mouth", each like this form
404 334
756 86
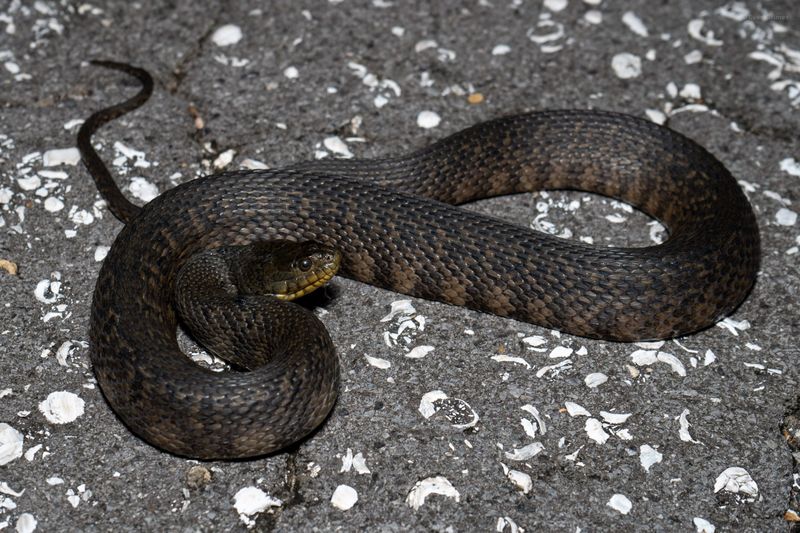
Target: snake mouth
314 280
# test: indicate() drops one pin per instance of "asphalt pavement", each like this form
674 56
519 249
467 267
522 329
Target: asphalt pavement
448 419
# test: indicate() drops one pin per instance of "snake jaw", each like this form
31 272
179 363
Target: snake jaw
315 280
318 281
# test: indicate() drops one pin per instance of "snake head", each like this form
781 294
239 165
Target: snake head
284 269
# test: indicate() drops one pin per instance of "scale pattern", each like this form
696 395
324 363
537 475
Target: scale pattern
397 225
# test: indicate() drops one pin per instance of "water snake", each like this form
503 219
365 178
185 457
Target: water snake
397 226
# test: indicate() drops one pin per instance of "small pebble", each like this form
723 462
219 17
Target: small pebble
626 66
428 119
501 50
621 503
227 35
344 497
198 477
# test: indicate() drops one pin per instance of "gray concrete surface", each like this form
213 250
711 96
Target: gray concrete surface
92 474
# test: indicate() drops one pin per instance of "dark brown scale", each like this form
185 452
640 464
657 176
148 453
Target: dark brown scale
391 223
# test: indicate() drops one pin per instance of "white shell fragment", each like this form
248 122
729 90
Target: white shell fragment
620 502
785 217
344 497
650 345
127 152
26 523
387 88
534 341
673 362
30 183
291 72
252 500
634 23
626 66
63 352
143 189
45 287
555 5
560 352
594 429
501 50
11 443
356 462
419 352
337 146
593 16
424 44
428 119
426 407
695 56
703 526
30 455
623 434
502 358
63 156
253 164
573 409
595 380
683 432
526 452
521 480
791 166
691 91
537 416
80 217
399 307
227 35
695 29
62 407
457 411
505 524
735 11
555 369
648 456
224 159
734 326
6 489
551 31
737 480
529 427
650 357
73 499
377 362
432 485
5 195
53 204
644 357
614 418
101 252
360 464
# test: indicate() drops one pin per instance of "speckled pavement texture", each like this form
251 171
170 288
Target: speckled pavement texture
529 429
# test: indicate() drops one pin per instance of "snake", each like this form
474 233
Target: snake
397 224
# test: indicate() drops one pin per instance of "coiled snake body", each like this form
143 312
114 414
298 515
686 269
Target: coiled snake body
395 223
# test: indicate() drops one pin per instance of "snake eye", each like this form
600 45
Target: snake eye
304 264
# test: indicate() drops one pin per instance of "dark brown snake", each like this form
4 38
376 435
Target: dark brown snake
395 223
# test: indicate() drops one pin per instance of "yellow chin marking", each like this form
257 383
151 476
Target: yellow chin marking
313 284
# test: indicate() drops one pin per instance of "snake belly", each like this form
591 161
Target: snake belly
396 223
